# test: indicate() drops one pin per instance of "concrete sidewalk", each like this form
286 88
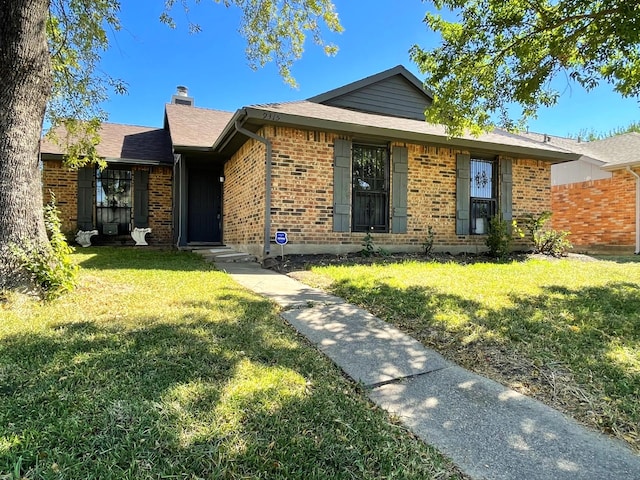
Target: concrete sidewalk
489 431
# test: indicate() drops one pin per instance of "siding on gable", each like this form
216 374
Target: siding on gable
393 96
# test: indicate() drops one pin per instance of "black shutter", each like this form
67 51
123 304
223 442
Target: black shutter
342 186
400 158
140 198
463 193
85 198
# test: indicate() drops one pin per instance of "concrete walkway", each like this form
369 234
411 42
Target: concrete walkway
489 431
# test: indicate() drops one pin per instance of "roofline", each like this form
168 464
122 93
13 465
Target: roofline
398 70
621 166
130 161
190 148
250 113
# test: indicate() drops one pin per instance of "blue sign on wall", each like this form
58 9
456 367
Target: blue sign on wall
281 238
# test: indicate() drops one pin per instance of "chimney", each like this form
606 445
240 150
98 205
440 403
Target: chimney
181 97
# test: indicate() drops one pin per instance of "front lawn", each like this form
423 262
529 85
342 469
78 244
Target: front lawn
158 366
564 331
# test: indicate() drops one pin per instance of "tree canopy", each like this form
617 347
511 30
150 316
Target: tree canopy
501 56
50 51
78 32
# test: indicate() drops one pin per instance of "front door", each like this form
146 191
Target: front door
204 206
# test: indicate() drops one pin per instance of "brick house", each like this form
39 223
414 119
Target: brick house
597 197
327 170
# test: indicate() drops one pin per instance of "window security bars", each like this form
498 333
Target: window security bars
113 201
370 188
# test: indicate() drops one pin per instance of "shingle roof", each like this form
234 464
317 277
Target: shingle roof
323 112
193 126
128 142
617 151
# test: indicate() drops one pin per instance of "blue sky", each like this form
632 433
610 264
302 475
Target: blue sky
153 59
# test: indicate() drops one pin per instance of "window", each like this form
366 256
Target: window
483 202
113 201
370 180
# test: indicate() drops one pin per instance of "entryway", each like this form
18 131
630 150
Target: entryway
204 206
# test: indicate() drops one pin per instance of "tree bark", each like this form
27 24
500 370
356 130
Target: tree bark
25 86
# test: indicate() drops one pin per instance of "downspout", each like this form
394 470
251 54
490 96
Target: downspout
637 209
178 198
267 196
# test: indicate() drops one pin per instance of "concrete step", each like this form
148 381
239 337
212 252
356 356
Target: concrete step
224 255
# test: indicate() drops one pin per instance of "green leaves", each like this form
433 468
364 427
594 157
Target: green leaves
275 30
501 56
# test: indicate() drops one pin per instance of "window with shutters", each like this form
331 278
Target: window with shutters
483 196
370 187
113 201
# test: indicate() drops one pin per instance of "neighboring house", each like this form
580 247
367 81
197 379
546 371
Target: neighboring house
327 170
597 197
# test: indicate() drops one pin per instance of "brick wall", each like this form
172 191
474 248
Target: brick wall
63 181
598 213
160 205
302 195
243 198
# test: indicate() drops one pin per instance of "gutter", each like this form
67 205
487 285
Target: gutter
267 196
637 209
178 201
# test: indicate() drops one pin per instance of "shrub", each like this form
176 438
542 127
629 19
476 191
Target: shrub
369 249
546 240
50 265
499 237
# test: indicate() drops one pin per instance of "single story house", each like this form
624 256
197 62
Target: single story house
326 170
597 197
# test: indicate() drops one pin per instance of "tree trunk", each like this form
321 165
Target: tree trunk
25 85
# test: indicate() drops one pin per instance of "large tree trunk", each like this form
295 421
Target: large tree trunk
25 84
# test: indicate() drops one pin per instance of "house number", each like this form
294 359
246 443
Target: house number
271 116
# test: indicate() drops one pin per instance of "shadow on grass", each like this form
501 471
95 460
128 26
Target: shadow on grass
594 331
190 398
115 258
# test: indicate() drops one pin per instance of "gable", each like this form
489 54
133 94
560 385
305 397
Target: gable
395 93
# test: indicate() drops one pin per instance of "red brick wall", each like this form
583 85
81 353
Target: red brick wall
302 195
598 213
63 181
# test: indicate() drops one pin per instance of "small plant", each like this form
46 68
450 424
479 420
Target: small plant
499 238
50 266
428 243
546 240
369 249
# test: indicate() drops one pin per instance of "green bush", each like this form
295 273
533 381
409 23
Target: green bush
50 265
499 237
546 240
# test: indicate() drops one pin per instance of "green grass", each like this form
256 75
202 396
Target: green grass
566 332
158 366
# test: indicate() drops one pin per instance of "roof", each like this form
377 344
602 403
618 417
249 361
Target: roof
317 116
610 153
618 151
119 142
193 127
